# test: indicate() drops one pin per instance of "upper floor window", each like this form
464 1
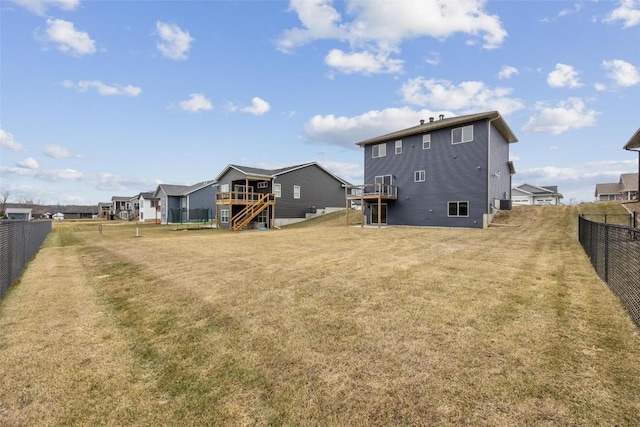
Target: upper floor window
458 208
277 190
379 150
296 191
419 176
399 146
426 141
463 134
224 188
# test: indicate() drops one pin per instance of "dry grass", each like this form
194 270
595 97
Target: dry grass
321 325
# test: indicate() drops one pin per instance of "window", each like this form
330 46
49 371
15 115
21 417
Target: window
142 204
399 146
379 150
419 176
426 142
263 184
463 134
277 190
224 188
141 216
458 208
224 216
296 191
152 203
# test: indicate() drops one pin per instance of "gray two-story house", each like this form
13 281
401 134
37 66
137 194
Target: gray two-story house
446 172
186 203
254 197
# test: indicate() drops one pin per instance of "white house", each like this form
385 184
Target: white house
19 213
58 216
527 194
147 207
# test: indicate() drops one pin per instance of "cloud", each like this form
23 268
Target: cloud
103 89
8 141
622 73
433 59
58 152
375 30
174 43
346 131
258 107
363 62
507 71
564 76
69 39
566 115
39 7
350 172
628 12
467 96
29 163
196 103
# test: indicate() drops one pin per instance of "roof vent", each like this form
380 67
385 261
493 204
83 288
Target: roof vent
441 116
421 121
430 119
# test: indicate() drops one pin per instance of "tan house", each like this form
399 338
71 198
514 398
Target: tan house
625 189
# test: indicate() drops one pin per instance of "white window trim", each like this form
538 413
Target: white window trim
426 141
398 147
382 150
224 216
296 191
224 188
458 209
462 140
263 184
420 176
277 190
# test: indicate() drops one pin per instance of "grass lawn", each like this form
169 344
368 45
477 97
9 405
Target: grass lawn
320 324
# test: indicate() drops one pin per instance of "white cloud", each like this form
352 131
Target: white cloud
433 59
564 76
258 107
467 96
600 87
58 152
375 30
174 43
195 103
103 89
622 72
39 7
566 115
363 62
346 131
29 163
507 71
8 141
351 172
69 39
628 12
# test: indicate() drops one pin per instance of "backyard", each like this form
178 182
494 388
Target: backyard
318 324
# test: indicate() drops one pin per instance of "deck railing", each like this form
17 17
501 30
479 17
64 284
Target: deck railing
372 190
230 197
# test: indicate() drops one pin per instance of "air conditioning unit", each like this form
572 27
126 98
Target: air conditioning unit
505 204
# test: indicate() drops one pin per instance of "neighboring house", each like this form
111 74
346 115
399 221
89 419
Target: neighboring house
121 207
186 203
24 214
527 194
147 207
104 210
634 145
451 172
625 189
250 197
58 216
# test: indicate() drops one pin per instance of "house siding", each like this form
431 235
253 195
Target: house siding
318 190
498 169
454 172
204 198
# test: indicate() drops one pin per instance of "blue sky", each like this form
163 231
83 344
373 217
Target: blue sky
101 98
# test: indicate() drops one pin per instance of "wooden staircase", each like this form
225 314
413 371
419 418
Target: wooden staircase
251 211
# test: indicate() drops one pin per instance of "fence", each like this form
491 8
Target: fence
614 251
622 219
19 241
190 215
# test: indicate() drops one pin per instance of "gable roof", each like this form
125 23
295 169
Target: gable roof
534 190
146 195
181 190
268 174
629 182
494 116
607 188
634 142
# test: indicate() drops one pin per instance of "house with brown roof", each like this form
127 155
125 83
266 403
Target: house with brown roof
625 189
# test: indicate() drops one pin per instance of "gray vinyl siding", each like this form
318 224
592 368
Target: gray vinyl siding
203 198
317 189
454 172
499 175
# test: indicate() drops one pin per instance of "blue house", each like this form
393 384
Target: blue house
450 172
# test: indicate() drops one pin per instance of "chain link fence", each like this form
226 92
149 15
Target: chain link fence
620 219
192 215
19 241
614 251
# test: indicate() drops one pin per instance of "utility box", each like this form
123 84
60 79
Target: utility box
505 204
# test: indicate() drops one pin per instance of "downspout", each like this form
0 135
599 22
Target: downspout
485 223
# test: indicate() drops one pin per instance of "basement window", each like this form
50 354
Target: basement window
458 209
224 216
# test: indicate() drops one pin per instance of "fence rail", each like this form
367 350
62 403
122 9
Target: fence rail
182 215
614 251
19 241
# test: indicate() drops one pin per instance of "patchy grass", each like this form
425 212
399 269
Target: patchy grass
318 324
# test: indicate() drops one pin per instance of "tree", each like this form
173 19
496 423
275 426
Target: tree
4 196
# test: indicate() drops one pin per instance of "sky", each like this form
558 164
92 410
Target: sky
111 98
